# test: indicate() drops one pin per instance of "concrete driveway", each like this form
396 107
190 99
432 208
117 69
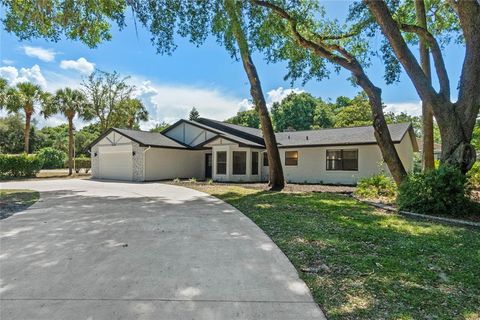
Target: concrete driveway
108 250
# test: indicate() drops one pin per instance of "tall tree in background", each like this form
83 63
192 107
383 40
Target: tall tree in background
194 114
105 93
456 120
70 103
24 96
296 111
247 118
131 112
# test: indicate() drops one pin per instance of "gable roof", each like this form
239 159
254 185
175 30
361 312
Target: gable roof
342 136
253 137
144 138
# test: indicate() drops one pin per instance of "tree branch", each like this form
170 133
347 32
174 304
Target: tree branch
391 31
436 53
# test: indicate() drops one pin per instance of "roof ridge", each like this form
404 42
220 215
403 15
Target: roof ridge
352 127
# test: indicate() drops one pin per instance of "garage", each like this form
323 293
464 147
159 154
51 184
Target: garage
115 162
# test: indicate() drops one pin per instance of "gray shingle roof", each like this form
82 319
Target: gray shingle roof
338 136
153 139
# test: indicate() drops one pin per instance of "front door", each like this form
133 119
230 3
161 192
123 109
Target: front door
208 165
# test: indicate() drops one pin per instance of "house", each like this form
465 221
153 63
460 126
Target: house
208 148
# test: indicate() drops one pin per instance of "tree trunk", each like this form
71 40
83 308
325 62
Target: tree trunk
28 118
428 160
382 134
455 120
276 179
70 146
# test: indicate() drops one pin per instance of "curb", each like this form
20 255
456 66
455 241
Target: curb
458 222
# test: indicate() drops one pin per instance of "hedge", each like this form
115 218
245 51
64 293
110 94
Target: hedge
82 163
19 165
52 158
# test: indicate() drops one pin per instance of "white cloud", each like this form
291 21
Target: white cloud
43 54
8 61
167 102
82 65
245 104
33 74
277 95
411 108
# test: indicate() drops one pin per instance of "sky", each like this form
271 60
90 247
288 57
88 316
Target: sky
206 77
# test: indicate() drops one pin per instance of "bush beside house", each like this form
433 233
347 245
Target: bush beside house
441 191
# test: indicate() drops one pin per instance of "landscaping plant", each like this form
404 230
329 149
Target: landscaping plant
52 158
443 191
377 186
22 165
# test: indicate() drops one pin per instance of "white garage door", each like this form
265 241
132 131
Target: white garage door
116 162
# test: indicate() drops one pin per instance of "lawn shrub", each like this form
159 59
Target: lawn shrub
82 163
474 176
441 191
19 165
375 187
52 158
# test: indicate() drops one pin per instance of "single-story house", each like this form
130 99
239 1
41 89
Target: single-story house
206 148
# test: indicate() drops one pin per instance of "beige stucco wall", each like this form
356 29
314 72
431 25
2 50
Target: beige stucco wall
163 164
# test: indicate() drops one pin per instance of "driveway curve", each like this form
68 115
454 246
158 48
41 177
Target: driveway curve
108 250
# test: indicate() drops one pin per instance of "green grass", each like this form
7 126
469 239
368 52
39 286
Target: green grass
14 200
375 265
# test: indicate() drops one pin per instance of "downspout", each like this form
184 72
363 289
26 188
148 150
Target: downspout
144 162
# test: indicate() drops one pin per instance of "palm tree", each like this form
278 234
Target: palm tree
131 112
26 96
69 102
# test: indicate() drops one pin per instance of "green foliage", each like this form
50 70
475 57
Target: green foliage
130 113
87 21
82 163
54 137
194 114
247 118
357 112
21 165
11 134
473 176
107 94
377 186
296 111
159 127
443 191
52 158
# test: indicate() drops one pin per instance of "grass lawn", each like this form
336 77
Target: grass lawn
362 263
14 200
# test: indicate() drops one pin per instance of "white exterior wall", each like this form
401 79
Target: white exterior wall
115 139
189 134
228 146
165 163
312 163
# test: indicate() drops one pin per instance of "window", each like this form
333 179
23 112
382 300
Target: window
222 162
291 158
254 163
239 162
346 160
265 159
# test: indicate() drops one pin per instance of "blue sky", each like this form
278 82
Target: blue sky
204 77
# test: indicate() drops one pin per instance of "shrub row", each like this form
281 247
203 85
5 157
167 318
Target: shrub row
21 165
82 163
